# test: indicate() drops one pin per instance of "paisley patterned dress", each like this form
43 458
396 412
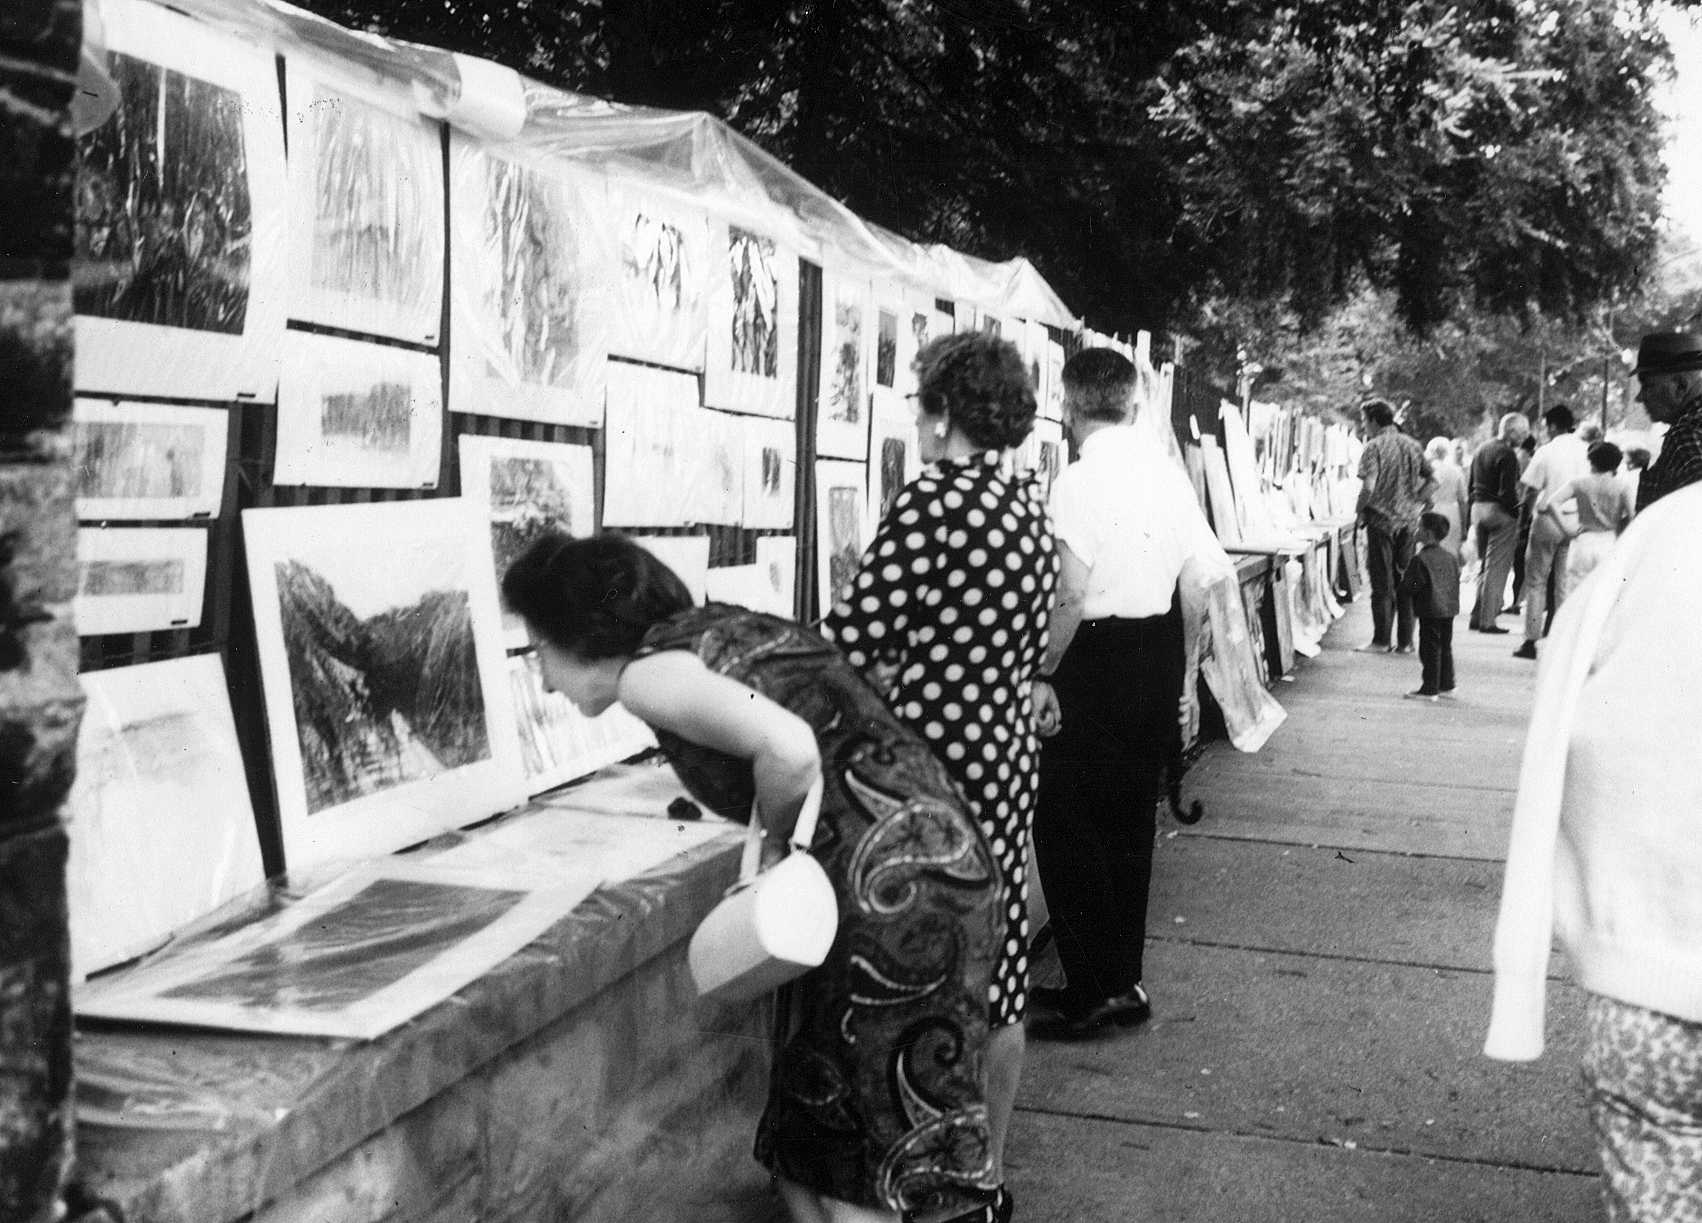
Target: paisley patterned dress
877 1095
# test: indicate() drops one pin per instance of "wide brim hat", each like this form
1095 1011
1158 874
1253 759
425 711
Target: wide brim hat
1668 352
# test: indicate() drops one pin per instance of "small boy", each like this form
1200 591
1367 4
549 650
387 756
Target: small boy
1432 579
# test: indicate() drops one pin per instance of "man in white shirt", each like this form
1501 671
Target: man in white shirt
1563 457
1117 681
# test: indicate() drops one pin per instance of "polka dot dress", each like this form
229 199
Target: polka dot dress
956 590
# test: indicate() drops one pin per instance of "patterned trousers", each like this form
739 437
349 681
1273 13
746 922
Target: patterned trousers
1643 1078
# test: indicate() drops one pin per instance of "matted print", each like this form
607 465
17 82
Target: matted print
842 526
651 462
557 742
893 458
686 555
722 459
386 687
529 270
611 848
366 213
659 306
178 274
771 475
842 405
752 356
525 489
360 956
148 460
777 557
358 415
161 828
917 324
139 579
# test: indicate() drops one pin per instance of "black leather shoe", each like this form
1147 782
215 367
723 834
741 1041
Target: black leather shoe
1493 628
1124 1011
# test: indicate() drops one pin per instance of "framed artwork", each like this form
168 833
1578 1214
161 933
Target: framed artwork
771 474
651 461
139 579
659 306
357 415
686 555
847 336
529 259
777 557
752 356
1052 402
385 678
162 830
842 526
366 213
558 743
918 322
893 458
181 202
524 489
148 460
360 956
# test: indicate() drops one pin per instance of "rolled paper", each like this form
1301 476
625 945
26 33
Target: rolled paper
492 104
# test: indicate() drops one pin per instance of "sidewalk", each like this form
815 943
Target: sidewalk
1319 967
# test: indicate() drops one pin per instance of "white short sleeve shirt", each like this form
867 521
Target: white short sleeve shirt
1129 514
1557 461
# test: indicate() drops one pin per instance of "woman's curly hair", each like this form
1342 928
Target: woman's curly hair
595 598
982 382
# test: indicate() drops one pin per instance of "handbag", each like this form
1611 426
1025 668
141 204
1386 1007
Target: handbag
773 925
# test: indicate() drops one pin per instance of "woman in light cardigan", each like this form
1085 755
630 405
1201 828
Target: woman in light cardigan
1606 852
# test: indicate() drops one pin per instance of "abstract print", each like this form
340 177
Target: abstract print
756 303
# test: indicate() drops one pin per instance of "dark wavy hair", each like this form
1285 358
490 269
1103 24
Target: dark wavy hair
1604 456
1559 418
1100 383
594 598
982 382
1378 413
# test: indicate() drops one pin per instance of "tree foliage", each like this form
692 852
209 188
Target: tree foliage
1153 155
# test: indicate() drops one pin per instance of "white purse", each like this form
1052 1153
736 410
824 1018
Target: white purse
773 925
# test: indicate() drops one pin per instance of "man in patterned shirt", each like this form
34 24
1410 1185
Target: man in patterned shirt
1396 485
1669 386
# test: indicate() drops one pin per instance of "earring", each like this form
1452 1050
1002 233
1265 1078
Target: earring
940 429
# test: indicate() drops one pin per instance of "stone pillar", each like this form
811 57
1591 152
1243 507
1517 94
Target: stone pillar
40 701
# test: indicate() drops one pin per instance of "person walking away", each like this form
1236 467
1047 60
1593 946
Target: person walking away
1495 517
1636 463
1606 854
1118 676
952 600
1669 386
1449 499
1602 508
1432 581
1395 487
1526 448
1560 459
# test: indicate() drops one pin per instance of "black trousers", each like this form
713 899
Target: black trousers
1390 551
1100 776
1436 653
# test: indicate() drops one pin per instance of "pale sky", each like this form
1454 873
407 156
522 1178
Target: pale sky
1681 99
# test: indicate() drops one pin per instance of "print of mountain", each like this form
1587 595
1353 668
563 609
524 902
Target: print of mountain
380 702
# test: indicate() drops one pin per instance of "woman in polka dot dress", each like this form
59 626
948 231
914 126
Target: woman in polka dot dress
948 615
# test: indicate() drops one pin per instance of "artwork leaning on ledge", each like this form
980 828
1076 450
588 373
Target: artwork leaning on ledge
387 695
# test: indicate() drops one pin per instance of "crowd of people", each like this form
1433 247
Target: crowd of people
1006 664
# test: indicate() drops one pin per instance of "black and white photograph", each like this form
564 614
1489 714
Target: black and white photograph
770 475
753 323
529 270
381 652
180 203
139 579
659 307
366 211
842 525
358 415
381 944
527 488
147 461
557 742
842 410
162 830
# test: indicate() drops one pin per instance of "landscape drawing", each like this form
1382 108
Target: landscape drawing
381 653
770 477
755 267
179 199
530 319
357 415
366 192
660 308
526 489
557 742
161 828
139 579
376 947
147 461
841 521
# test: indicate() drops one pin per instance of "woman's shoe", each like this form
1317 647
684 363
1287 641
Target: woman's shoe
997 1209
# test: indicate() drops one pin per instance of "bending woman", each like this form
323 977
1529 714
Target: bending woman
876 1103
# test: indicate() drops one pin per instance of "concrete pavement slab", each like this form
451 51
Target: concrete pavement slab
1315 1049
1074 1170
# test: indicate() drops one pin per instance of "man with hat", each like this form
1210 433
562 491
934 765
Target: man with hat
1669 386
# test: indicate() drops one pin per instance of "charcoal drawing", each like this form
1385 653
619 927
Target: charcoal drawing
886 349
756 301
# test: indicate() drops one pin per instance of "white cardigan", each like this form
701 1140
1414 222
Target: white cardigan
1606 847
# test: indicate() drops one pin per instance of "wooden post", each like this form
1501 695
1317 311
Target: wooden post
40 700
